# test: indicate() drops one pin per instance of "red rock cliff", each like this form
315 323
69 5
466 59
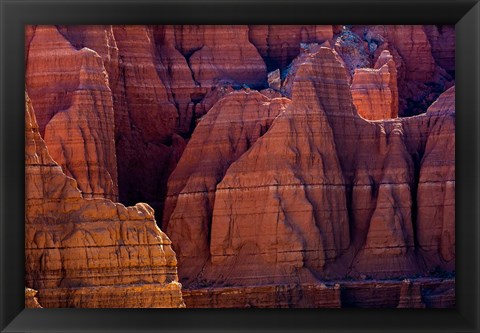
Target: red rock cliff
424 57
374 91
319 177
278 213
90 252
70 91
229 129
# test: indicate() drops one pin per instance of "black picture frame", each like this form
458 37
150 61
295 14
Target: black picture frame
15 14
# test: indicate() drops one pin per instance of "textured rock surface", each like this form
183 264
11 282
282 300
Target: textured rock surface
352 50
265 194
281 183
266 296
90 252
280 44
227 55
442 40
274 79
410 296
73 100
425 65
162 80
229 129
436 185
374 91
363 216
150 105
439 294
144 120
416 293
31 302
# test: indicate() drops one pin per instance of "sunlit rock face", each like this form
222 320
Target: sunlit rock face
322 191
229 129
89 252
424 57
288 165
31 302
374 90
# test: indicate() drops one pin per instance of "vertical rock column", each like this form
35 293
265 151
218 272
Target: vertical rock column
436 186
280 212
230 128
73 101
374 91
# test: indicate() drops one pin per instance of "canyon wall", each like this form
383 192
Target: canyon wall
417 293
70 90
162 79
374 91
424 57
89 252
271 155
323 193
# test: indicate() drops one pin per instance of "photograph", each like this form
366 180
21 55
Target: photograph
240 166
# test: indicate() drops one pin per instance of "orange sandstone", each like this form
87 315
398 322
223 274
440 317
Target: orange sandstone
374 91
90 252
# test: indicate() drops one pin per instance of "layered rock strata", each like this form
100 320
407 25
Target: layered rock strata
90 252
161 79
436 185
410 296
283 185
366 215
280 44
73 100
424 57
266 296
226 54
414 293
442 41
374 91
178 72
229 129
312 179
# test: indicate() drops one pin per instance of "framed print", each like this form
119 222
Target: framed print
282 166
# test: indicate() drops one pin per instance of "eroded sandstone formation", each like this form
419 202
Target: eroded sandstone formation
280 44
179 72
424 57
442 41
74 105
329 193
265 296
436 185
374 91
90 252
416 293
277 158
229 129
291 184
161 79
31 302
